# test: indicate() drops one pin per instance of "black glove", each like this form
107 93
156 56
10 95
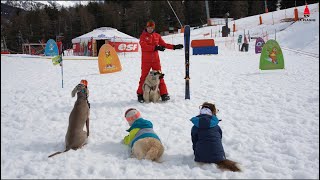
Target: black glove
160 48
178 46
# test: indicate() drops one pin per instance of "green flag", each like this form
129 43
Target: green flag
56 60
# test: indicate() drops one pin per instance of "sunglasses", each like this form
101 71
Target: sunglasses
205 106
154 73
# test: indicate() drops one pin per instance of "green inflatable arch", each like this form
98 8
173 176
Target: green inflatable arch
271 56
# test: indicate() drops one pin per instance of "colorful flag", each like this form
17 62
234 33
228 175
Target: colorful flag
56 60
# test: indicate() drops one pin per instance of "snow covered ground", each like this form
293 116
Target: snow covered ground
270 119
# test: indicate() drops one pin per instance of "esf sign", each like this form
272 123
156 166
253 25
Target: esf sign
125 47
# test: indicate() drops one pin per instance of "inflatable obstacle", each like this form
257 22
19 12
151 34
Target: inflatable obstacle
203 46
108 60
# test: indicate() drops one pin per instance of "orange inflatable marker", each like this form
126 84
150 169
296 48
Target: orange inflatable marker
108 60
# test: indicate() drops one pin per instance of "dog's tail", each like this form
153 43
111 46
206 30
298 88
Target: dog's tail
58 152
152 154
228 165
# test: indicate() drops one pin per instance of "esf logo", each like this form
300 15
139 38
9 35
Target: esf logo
127 47
306 12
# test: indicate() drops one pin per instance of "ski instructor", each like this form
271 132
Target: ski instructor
151 42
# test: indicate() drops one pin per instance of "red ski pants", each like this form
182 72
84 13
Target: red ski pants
145 69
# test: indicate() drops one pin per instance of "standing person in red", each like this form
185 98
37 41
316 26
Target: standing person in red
151 42
60 46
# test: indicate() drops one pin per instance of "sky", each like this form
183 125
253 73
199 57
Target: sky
65 3
270 118
68 3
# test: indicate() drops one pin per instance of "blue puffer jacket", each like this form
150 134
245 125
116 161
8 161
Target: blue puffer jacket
206 139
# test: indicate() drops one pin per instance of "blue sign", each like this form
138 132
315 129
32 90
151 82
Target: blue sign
51 48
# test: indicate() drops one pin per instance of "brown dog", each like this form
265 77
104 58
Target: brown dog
151 92
76 137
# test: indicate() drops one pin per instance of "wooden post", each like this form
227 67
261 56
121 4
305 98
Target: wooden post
182 30
296 17
260 19
94 48
234 26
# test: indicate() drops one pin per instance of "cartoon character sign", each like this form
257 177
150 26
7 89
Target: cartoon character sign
108 59
271 56
51 48
259 45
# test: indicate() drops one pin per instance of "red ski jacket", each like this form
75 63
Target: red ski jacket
148 42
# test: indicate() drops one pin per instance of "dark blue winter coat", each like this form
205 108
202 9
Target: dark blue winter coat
206 138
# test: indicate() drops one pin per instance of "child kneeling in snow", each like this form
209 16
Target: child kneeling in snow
144 142
206 138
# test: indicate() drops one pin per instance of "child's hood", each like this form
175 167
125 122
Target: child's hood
140 123
205 121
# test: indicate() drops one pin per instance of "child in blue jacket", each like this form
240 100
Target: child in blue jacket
206 137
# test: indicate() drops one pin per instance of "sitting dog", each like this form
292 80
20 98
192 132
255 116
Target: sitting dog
206 136
76 137
151 92
144 142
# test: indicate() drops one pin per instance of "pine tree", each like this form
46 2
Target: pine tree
255 8
239 9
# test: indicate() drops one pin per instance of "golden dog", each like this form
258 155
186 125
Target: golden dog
148 148
151 92
144 142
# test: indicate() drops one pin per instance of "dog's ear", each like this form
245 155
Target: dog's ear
76 89
161 76
160 73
